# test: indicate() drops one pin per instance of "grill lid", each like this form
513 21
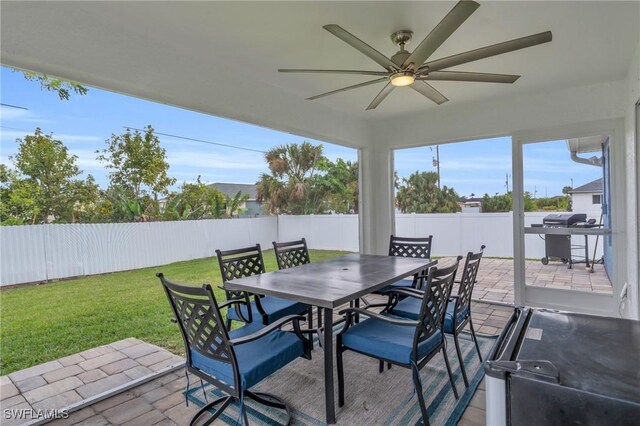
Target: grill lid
564 219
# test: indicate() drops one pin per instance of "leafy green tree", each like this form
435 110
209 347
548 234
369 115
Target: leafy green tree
419 193
195 201
293 187
558 203
62 87
17 198
497 203
138 164
46 181
85 195
232 204
341 183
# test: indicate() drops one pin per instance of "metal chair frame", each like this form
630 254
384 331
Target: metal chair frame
406 247
291 254
463 301
198 316
439 283
240 263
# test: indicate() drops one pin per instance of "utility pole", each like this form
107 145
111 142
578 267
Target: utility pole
506 181
535 191
436 162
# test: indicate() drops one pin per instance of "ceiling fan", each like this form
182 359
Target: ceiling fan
411 69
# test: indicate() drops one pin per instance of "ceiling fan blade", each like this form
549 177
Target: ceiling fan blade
380 73
429 91
470 76
488 51
361 46
440 33
380 96
355 86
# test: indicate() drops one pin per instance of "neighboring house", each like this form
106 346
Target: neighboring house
251 207
588 199
470 205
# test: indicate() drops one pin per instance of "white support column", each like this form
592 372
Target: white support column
377 218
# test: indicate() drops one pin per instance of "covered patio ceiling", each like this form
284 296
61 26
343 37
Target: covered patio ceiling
221 58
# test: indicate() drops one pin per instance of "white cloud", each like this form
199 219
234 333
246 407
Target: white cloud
12 135
20 115
208 160
87 159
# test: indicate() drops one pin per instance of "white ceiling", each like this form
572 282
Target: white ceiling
188 53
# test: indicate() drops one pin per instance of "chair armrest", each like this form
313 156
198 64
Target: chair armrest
232 302
407 291
352 311
270 328
243 301
454 297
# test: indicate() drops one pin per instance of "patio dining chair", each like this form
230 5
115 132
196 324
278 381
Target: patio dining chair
291 254
407 343
246 262
232 361
405 247
458 313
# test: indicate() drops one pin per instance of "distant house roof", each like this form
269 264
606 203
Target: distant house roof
231 189
595 186
471 199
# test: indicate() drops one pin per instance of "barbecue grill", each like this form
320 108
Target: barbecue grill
559 246
560 368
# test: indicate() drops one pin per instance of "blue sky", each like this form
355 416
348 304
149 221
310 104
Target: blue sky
84 123
481 166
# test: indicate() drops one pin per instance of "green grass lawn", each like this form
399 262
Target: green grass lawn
44 322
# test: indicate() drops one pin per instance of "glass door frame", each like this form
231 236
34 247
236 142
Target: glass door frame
577 301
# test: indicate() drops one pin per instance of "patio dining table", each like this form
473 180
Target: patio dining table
331 284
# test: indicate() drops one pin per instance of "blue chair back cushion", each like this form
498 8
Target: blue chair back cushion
448 316
256 360
388 341
275 308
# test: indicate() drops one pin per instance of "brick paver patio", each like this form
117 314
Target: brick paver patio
495 278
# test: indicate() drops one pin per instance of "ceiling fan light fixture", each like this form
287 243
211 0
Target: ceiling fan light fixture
403 78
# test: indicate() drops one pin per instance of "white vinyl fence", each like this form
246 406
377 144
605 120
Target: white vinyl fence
323 232
46 252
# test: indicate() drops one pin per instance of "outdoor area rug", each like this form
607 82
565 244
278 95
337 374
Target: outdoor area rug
371 398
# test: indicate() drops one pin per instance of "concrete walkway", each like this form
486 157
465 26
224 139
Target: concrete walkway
39 391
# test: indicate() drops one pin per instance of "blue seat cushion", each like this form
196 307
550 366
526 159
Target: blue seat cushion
275 308
387 341
448 316
256 360
405 282
408 307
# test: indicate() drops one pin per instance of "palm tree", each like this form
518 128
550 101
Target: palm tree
293 186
